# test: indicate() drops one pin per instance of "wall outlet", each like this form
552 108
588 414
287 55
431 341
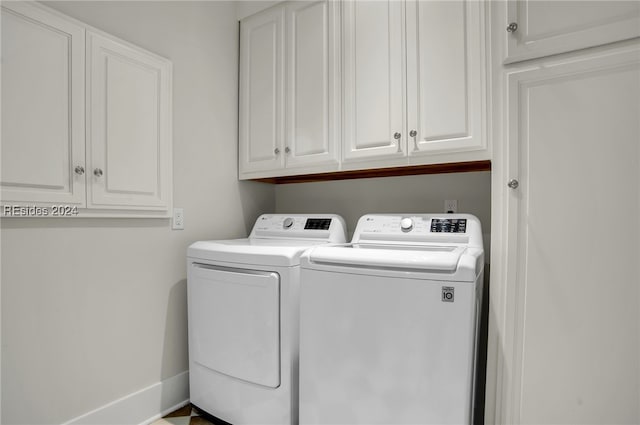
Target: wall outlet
178 219
451 206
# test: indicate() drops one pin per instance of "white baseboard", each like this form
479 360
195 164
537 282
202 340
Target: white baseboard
141 407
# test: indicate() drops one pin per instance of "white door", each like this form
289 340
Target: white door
374 80
548 27
261 145
42 107
574 242
129 147
234 322
445 57
313 83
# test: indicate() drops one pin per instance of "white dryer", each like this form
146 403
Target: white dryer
243 318
388 323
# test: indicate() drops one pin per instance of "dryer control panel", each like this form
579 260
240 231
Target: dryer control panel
329 227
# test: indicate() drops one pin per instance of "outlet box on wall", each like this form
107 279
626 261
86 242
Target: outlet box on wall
177 223
451 206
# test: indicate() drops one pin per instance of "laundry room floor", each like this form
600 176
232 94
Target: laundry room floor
186 415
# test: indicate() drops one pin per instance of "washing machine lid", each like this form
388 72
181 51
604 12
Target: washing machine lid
448 246
401 257
265 252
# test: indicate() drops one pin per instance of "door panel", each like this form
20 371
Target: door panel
262 92
313 85
446 75
129 122
374 82
575 236
550 27
235 322
42 107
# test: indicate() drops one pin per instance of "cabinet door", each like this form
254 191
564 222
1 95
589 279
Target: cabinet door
129 150
549 27
374 82
262 92
42 107
446 77
313 84
574 229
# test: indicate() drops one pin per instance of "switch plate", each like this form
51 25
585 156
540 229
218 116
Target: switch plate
177 222
451 206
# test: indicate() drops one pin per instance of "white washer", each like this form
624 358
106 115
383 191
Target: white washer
243 318
388 323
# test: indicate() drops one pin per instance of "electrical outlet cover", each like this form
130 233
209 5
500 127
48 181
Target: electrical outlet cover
450 206
177 223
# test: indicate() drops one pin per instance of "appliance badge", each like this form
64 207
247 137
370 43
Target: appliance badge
447 294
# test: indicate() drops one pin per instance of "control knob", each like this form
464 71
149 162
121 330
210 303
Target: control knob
406 224
288 222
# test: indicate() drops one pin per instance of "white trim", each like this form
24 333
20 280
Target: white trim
143 406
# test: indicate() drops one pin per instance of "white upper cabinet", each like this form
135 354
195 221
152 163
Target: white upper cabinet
42 107
262 91
414 81
289 90
86 120
540 28
374 79
313 84
446 74
366 84
129 124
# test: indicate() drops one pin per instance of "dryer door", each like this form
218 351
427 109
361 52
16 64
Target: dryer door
234 324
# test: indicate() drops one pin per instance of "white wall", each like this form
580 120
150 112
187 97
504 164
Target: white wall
95 309
249 7
419 194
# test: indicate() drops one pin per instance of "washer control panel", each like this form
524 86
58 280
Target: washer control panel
418 229
411 224
449 225
387 224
